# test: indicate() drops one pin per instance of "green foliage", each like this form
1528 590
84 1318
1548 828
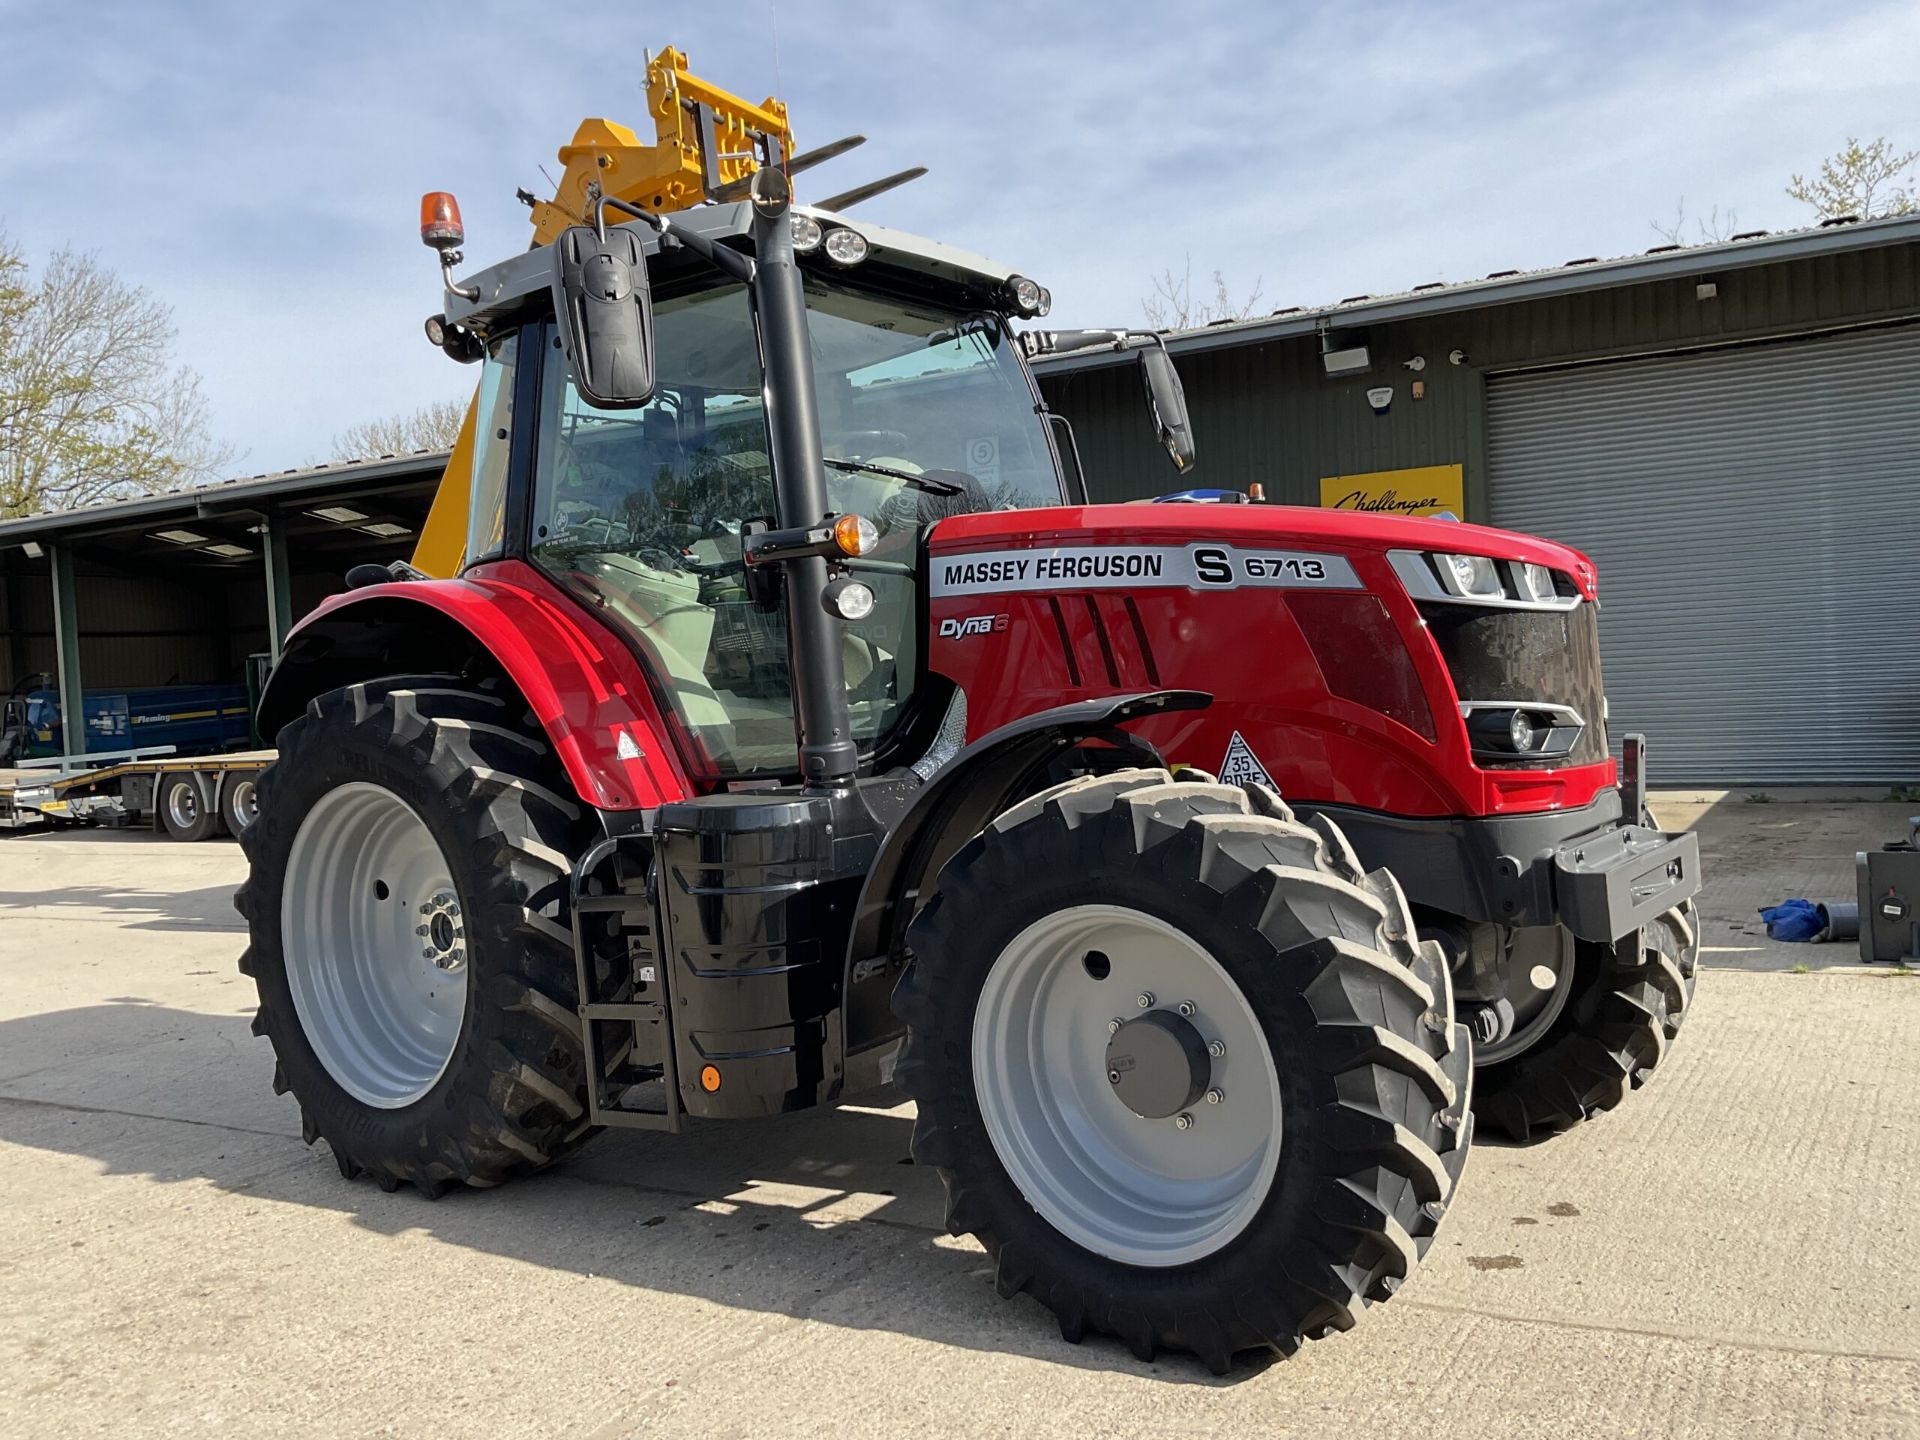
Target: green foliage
91 405
1803 968
1905 794
1759 797
1868 180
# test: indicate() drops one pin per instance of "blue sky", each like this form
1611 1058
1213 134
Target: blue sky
258 166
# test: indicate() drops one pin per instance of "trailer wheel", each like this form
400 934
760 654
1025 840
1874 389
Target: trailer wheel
184 812
238 803
1185 1070
410 941
1620 1018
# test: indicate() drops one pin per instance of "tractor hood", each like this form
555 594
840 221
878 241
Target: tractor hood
1144 526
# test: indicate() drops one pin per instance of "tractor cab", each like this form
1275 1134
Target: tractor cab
644 503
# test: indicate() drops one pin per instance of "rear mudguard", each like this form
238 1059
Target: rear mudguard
959 801
583 685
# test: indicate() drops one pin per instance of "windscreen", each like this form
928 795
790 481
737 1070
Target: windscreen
643 509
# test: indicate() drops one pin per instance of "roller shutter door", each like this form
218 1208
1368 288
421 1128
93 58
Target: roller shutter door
1755 518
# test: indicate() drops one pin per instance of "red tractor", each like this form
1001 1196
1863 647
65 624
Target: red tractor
789 728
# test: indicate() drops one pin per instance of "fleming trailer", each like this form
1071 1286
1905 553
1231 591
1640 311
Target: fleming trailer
770 722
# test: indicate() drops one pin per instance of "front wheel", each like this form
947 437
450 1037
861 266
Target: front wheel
1623 1008
407 903
1185 1070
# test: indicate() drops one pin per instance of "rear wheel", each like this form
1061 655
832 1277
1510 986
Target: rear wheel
407 904
238 804
1621 1013
1184 1069
184 811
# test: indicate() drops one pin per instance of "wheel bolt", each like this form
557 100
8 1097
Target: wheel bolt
1113 1077
1183 1122
1113 1027
1215 1096
1187 1007
1217 1049
420 930
1144 999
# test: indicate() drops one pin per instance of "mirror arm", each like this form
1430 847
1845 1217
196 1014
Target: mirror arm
731 262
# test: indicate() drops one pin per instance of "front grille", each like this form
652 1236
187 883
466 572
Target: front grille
1543 656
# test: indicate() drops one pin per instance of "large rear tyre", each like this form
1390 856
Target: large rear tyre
1617 1026
1185 1070
410 941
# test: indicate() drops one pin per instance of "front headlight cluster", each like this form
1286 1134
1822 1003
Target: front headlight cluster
1519 730
1479 577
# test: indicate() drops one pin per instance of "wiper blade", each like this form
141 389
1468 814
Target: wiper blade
918 482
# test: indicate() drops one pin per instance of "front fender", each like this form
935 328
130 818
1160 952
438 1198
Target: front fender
953 807
584 687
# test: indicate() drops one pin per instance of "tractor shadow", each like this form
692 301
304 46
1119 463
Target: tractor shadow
818 1217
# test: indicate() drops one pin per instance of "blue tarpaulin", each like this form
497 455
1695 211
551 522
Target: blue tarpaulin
1794 920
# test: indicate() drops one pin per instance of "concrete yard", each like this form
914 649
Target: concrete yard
1735 1252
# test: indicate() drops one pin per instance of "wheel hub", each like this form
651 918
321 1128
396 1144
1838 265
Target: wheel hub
1157 1064
442 938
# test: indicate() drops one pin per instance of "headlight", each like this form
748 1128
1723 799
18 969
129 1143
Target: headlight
847 598
1025 294
846 247
1470 575
1535 582
807 233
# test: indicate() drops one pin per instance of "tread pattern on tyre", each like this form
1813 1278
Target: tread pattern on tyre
513 1098
1614 1032
1378 1111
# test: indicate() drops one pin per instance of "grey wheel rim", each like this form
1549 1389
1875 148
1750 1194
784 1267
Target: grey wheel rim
1149 1192
242 805
375 946
183 804
1535 1007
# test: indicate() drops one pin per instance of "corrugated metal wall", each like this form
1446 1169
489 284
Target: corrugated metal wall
1267 412
1752 514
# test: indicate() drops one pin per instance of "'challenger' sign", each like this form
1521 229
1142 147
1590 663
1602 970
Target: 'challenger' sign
1129 567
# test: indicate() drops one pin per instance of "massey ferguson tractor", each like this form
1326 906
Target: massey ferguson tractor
779 725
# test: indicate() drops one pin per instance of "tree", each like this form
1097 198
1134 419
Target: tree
431 427
92 406
1171 305
1709 228
1861 180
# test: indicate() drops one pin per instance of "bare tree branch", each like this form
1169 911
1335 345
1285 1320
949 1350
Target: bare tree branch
1708 230
431 427
1171 305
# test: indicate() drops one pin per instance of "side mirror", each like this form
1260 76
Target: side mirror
1167 399
605 310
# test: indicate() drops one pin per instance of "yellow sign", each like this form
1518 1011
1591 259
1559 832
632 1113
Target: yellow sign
1424 490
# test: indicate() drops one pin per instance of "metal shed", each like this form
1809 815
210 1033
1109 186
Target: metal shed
1726 428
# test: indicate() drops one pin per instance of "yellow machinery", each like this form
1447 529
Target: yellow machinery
707 144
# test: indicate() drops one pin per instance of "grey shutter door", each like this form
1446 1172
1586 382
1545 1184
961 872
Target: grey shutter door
1754 515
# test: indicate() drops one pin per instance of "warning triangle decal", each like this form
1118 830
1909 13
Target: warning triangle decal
1241 766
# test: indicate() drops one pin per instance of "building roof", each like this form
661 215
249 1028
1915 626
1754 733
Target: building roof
1506 287
246 494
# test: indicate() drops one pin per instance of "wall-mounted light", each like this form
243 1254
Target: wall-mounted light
32 549
1456 357
1353 360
